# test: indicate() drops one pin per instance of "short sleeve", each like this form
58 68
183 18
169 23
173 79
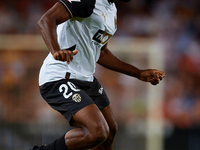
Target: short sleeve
79 8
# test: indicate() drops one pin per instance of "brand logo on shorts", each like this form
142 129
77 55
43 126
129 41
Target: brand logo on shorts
101 90
76 98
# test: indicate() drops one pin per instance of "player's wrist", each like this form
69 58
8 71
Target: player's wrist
137 73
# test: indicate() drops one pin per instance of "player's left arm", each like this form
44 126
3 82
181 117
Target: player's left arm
109 61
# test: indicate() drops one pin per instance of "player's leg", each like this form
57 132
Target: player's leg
92 129
108 144
80 111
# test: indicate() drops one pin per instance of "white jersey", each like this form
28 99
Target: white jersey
91 26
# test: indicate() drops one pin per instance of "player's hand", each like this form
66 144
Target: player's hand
65 55
151 75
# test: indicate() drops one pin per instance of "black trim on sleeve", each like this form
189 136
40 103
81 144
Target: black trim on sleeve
79 8
67 8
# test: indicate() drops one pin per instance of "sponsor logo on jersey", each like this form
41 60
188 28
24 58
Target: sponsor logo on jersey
102 36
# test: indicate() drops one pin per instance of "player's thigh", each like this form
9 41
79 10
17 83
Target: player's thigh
65 97
91 118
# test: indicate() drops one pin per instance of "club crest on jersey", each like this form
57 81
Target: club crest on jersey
102 36
74 1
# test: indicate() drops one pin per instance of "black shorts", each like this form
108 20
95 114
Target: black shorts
68 96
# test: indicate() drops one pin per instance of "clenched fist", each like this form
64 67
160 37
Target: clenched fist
151 75
65 55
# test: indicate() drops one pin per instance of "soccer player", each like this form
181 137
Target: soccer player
76 33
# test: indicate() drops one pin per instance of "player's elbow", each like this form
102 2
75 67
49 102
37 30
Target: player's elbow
41 23
46 21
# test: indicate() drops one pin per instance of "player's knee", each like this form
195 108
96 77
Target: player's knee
99 134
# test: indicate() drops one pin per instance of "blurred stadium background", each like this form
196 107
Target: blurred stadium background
160 34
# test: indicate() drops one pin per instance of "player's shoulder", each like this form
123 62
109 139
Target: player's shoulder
80 8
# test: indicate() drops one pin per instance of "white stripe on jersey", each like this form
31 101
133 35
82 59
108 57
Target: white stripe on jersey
74 1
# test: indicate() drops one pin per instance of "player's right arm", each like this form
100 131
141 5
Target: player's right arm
47 24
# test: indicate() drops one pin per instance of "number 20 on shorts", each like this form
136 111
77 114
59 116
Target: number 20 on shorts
65 87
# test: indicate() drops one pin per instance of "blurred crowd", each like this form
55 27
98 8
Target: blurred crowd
176 24
21 16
